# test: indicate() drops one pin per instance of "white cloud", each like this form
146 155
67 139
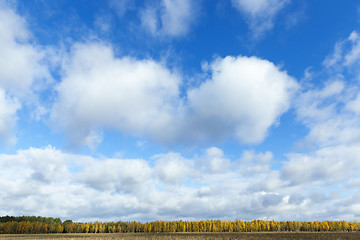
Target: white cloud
171 18
260 14
20 61
21 69
243 99
99 90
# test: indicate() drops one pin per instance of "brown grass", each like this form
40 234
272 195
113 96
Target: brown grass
188 236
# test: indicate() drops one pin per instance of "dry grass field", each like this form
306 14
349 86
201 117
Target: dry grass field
196 236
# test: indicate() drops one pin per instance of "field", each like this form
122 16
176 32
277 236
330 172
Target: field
188 236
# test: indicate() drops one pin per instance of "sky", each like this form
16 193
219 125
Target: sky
175 109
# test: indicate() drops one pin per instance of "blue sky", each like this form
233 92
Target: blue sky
179 109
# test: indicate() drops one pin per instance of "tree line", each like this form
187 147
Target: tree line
32 225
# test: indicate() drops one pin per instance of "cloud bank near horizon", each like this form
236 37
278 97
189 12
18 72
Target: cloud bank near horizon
209 186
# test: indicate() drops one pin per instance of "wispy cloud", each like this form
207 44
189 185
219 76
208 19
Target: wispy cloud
260 14
171 18
346 53
331 114
121 7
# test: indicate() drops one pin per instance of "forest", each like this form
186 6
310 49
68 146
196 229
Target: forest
33 225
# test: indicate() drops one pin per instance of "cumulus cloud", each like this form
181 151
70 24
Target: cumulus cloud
171 18
243 98
99 90
260 14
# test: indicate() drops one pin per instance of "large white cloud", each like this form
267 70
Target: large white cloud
99 90
243 98
260 14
